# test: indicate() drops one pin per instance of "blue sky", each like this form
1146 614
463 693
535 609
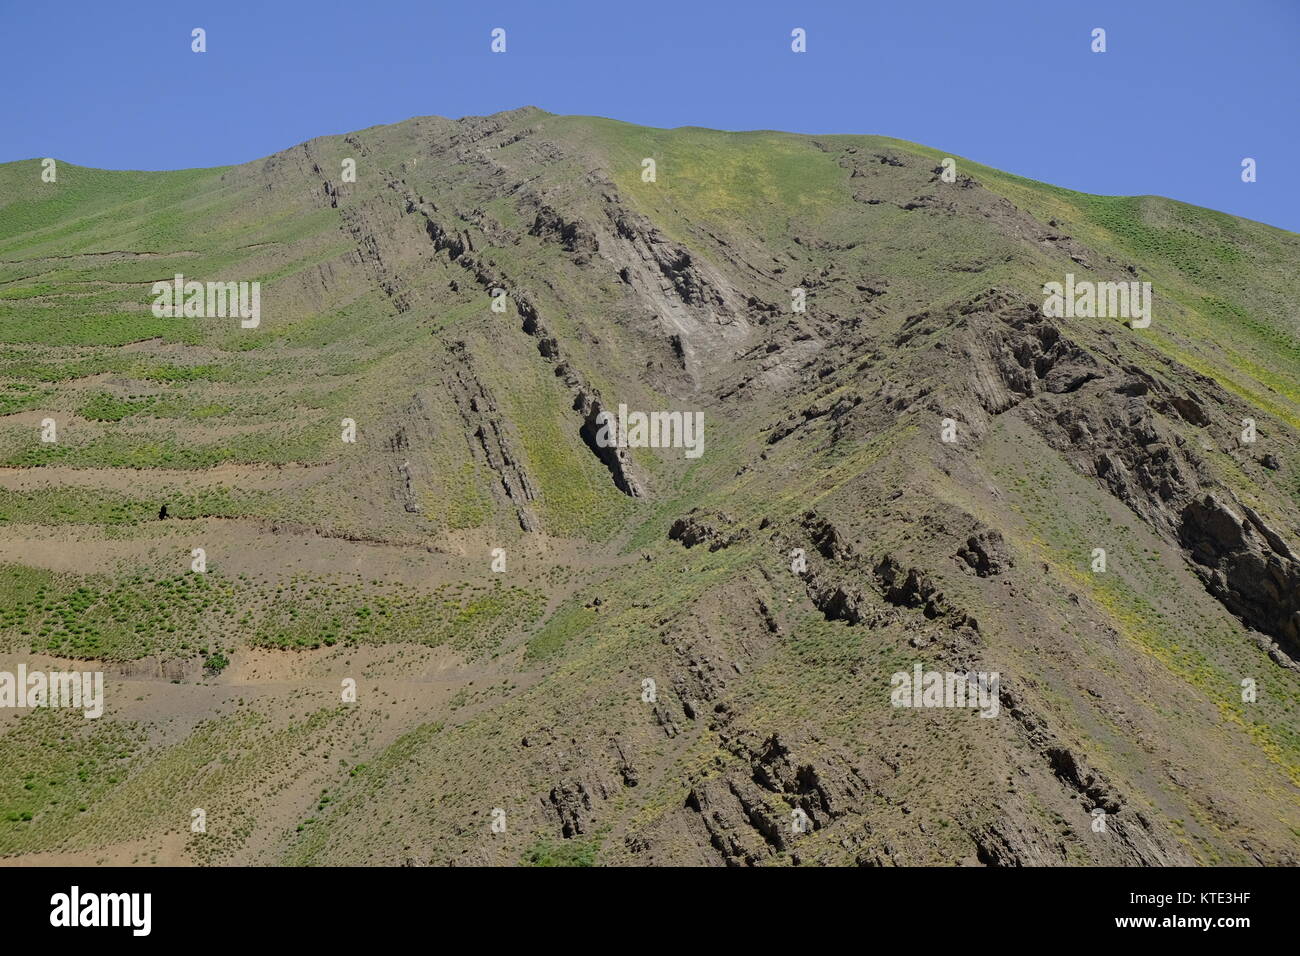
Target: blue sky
1186 89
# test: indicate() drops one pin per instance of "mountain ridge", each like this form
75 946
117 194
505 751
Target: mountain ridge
528 110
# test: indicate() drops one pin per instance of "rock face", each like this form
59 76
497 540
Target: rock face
717 529
1247 566
1020 355
735 810
985 553
481 418
692 300
1121 429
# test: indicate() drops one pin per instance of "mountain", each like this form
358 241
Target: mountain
917 455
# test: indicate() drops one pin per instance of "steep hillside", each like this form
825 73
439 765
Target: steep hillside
907 459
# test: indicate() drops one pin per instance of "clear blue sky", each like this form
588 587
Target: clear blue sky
1186 90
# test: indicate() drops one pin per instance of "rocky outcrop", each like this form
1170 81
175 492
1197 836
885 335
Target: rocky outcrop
691 298
1246 565
826 538
1117 421
1073 771
574 236
1015 353
1015 838
570 804
484 423
412 433
911 587
985 553
459 247
715 528
833 407
778 793
617 459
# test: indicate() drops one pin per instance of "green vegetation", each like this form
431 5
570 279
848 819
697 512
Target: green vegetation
139 615
572 853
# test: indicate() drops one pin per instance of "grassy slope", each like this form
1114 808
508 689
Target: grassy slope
203 395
